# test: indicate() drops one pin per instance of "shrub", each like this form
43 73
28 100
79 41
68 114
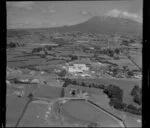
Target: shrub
131 107
134 110
93 125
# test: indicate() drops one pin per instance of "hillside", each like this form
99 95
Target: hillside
105 25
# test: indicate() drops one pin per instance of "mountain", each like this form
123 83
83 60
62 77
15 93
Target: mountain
105 24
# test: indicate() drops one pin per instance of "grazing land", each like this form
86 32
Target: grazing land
71 79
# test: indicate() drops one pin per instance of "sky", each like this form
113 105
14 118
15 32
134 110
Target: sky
39 14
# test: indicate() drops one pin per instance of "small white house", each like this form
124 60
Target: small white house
138 76
78 68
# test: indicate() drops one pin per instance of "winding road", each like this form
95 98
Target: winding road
51 103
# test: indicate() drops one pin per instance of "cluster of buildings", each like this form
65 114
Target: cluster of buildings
78 70
121 73
97 69
76 92
89 70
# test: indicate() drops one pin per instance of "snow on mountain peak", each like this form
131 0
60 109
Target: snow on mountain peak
124 14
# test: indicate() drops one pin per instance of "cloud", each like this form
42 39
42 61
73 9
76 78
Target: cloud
24 5
85 13
124 14
49 9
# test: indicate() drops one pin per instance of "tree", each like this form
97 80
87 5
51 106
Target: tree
133 109
93 125
73 92
83 84
110 53
114 92
117 104
65 84
117 51
130 73
115 71
11 45
137 94
67 81
73 57
62 73
49 48
74 82
125 68
90 85
62 92
101 86
37 50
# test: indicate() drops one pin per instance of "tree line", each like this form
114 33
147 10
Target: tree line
114 93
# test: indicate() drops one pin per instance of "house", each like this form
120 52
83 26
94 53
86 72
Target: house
137 76
78 68
75 92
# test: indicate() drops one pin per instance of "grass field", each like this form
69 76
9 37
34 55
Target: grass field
14 109
49 87
48 91
34 116
85 113
125 84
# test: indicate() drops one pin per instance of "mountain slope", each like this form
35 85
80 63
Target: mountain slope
105 24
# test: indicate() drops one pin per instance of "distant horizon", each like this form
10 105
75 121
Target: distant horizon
48 27
50 14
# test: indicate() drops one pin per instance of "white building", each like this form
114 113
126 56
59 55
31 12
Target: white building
78 68
138 76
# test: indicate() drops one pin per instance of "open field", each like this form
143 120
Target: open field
84 112
35 116
46 66
14 109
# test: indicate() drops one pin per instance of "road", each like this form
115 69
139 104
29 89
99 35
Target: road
120 121
51 103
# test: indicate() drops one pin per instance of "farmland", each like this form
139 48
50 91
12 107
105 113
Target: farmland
36 73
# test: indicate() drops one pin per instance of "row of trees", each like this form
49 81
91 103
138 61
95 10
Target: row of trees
44 49
110 52
14 45
116 99
68 81
114 93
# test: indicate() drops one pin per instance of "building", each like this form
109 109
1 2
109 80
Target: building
137 76
76 92
78 68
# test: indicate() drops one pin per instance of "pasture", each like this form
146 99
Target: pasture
82 112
